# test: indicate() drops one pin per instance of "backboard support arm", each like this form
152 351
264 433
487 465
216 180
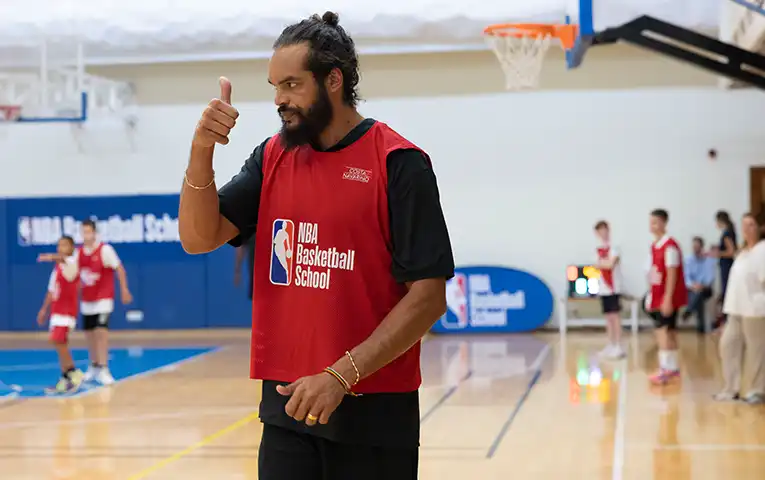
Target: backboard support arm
689 46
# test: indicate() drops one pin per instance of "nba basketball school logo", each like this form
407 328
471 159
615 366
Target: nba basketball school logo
299 259
25 231
282 243
456 299
493 298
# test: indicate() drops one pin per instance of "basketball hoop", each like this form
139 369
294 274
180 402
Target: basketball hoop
521 49
10 113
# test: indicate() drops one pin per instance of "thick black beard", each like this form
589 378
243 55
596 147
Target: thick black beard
310 124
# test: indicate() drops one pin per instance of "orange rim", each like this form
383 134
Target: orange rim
565 33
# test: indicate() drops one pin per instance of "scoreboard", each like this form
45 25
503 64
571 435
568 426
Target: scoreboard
582 281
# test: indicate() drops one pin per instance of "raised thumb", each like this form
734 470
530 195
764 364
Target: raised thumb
225 90
286 391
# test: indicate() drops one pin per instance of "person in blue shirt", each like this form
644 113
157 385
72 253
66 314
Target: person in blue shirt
699 277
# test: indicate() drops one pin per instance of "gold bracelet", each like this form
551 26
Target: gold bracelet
342 381
358 374
186 179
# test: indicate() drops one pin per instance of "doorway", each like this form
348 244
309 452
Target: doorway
757 192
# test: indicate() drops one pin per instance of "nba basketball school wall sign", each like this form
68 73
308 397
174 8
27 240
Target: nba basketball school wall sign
305 262
494 299
144 227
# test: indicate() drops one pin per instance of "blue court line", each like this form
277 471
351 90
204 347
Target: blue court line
147 373
445 397
506 427
19 372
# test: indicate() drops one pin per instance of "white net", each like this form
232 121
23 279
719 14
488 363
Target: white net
9 113
521 55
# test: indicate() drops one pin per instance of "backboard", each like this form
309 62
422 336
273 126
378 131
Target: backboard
56 88
725 38
742 23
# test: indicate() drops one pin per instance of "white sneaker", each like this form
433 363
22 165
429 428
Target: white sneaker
607 351
618 352
104 377
755 398
90 374
613 352
727 397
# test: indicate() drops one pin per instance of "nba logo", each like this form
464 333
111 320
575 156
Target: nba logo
456 302
25 231
282 244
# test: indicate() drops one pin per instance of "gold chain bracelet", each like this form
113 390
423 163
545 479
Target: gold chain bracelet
195 187
355 368
342 380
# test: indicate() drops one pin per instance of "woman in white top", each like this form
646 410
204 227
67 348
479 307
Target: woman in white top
744 333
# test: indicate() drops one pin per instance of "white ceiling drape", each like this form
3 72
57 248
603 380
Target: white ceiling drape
117 30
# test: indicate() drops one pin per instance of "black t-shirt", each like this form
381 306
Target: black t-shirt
727 263
250 246
421 250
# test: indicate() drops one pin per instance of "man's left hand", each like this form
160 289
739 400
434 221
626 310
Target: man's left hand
317 396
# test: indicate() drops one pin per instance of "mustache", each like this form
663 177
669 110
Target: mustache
286 109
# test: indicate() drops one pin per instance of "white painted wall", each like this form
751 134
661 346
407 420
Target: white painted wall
523 177
618 66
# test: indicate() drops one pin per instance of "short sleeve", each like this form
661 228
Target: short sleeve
239 199
421 245
109 257
615 252
671 257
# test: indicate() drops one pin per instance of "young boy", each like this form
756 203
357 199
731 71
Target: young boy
610 288
63 289
98 264
667 295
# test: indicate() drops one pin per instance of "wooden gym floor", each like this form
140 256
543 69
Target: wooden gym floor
493 407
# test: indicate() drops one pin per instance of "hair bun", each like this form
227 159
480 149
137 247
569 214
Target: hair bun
330 18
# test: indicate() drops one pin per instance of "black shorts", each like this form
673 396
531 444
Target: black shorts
99 320
660 321
289 455
611 303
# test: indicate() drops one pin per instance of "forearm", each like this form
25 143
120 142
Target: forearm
671 283
46 302
404 326
122 277
199 215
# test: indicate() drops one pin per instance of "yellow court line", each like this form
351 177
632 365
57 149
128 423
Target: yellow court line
205 441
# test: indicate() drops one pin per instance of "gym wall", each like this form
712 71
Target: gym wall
523 178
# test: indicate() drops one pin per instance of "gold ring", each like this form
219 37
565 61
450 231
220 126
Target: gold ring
311 417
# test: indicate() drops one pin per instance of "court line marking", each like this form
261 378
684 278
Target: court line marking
445 397
25 367
621 420
146 373
8 397
222 411
208 439
702 447
535 367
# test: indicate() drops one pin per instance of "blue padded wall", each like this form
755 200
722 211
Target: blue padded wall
172 289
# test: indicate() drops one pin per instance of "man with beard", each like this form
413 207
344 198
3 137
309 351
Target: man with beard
352 255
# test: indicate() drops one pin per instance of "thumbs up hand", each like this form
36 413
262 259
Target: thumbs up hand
217 119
